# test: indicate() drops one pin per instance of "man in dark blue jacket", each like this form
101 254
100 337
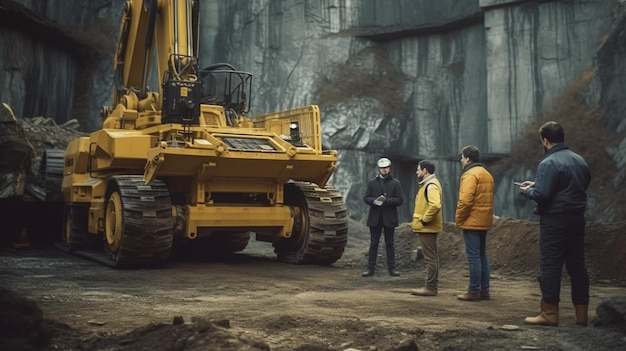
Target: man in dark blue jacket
383 195
560 191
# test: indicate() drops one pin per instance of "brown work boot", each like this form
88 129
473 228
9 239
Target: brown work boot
424 292
469 296
484 295
581 315
548 316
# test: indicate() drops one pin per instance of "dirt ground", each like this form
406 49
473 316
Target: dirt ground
250 301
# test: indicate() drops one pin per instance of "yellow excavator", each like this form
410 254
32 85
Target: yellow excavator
184 167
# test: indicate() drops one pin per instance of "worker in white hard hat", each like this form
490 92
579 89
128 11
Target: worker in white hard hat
383 195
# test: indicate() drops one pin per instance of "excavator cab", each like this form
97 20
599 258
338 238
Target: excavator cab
223 85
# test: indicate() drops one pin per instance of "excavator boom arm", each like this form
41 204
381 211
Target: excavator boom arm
168 26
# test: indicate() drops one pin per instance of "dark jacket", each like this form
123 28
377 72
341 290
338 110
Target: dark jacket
388 212
561 182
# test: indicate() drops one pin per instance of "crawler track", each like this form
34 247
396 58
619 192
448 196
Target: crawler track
138 230
139 224
321 229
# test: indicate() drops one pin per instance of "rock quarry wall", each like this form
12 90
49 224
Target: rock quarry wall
407 79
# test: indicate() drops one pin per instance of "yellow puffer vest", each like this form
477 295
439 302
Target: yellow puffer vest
428 211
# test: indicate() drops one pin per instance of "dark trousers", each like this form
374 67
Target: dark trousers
562 241
375 233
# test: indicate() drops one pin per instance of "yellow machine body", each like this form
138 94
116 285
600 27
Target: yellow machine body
185 165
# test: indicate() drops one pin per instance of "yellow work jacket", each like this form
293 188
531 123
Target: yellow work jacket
428 214
474 209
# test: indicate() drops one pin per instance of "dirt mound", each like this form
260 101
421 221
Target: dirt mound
199 335
22 326
25 329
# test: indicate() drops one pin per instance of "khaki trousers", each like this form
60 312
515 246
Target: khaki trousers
431 259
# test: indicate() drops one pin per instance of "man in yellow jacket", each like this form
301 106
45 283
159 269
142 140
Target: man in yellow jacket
474 214
427 223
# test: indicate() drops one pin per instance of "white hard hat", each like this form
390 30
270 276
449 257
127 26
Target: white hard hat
383 163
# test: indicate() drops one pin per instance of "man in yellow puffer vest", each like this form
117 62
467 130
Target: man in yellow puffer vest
427 223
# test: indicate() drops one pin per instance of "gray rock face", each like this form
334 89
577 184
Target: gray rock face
408 79
544 46
56 58
414 80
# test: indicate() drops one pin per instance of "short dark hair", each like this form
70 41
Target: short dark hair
427 165
471 152
553 132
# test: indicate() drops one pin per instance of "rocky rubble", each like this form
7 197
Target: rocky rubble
24 144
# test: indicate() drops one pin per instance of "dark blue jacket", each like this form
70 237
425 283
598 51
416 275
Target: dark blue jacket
388 212
561 182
